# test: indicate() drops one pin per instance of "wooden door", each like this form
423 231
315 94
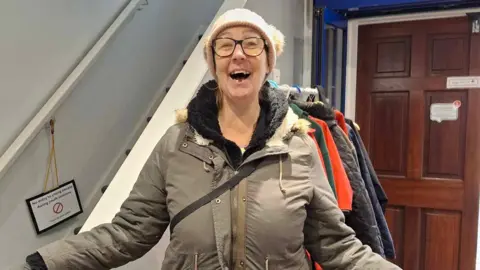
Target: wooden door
429 170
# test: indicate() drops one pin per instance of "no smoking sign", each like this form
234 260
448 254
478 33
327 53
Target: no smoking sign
57 208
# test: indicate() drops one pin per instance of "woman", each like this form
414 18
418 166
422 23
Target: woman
268 219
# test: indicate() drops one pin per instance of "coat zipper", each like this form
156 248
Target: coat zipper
266 263
195 261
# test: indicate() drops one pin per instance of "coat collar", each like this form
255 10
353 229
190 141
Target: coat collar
291 125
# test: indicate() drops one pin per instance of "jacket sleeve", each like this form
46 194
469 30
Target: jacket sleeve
134 230
329 240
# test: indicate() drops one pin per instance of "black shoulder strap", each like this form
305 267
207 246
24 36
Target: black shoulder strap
244 171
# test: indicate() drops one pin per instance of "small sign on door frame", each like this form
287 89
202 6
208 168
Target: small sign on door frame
463 82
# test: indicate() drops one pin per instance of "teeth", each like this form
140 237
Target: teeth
240 72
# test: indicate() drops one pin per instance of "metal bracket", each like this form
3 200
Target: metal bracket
317 12
317 41
475 21
47 126
476 26
145 3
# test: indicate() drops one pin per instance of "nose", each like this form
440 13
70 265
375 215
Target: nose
238 53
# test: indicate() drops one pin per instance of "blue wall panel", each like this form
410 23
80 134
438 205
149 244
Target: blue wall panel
332 17
348 4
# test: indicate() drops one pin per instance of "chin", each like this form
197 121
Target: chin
241 93
244 89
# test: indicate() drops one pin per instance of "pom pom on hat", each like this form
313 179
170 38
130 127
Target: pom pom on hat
275 40
278 40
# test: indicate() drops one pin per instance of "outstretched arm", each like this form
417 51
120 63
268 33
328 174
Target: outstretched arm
329 240
136 228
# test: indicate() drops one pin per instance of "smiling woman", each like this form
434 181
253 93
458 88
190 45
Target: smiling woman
238 179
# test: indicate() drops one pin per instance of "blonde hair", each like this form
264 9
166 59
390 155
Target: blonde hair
218 94
219 97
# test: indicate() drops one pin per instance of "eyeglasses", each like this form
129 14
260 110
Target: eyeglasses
224 47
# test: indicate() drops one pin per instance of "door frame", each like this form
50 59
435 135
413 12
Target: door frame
352 45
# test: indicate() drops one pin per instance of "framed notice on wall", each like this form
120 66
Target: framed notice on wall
54 207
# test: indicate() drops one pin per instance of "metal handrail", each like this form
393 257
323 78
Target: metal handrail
65 89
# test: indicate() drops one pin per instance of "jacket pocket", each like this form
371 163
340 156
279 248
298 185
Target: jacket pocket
294 263
190 261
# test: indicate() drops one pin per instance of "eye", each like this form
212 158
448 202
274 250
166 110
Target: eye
223 44
251 43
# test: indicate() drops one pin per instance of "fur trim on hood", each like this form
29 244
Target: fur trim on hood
290 125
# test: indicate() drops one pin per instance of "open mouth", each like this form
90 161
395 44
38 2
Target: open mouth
239 75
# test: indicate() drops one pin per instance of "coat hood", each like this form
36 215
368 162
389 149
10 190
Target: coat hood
276 122
318 110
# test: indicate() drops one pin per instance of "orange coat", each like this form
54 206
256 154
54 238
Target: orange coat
342 184
341 121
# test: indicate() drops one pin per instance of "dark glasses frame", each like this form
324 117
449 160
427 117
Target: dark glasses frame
237 42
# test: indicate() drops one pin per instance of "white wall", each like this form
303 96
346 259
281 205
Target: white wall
95 124
40 42
287 16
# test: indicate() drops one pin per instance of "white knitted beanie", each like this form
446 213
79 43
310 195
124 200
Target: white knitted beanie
243 17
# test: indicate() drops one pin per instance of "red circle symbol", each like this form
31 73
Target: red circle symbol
457 103
57 208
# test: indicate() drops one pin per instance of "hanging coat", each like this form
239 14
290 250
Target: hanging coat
321 143
341 121
342 184
362 217
381 195
368 178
